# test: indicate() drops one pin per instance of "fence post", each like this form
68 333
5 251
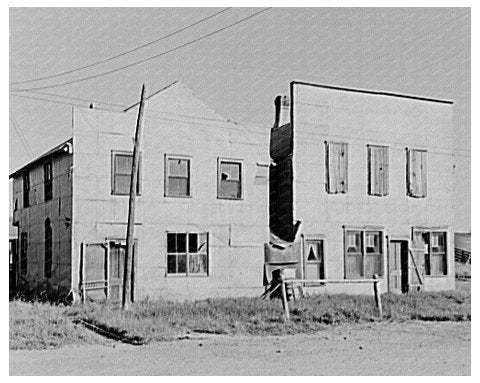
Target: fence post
378 300
284 296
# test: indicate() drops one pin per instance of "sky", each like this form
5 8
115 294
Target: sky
237 71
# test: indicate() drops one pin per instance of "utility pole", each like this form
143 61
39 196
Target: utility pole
127 270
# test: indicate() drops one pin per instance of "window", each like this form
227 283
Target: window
187 253
336 167
416 173
23 253
26 189
435 245
48 249
377 170
47 181
363 253
229 179
122 173
177 180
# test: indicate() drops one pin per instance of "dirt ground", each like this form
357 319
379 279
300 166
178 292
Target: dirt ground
413 348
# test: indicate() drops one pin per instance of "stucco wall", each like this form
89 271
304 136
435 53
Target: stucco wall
176 123
359 119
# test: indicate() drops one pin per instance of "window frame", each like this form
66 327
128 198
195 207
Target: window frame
221 160
48 249
23 253
428 256
47 181
169 157
363 251
424 176
328 166
26 189
372 172
114 173
187 253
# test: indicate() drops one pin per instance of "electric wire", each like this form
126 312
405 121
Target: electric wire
23 139
121 54
148 58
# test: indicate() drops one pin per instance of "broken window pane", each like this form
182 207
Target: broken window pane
230 183
178 181
192 243
182 263
171 264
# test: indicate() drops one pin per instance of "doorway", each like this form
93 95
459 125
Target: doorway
398 266
314 258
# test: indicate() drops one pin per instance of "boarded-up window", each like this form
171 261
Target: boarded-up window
177 181
47 181
229 179
363 253
48 249
187 253
336 167
435 251
416 173
26 189
377 170
122 173
23 253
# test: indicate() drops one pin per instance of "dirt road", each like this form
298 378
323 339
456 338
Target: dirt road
414 348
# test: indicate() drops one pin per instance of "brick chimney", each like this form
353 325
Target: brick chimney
282 111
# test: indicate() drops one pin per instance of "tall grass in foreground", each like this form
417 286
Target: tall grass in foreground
42 325
165 320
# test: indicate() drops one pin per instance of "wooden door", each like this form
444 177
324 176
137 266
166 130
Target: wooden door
314 259
397 266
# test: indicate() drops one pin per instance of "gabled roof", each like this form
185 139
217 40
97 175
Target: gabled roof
59 148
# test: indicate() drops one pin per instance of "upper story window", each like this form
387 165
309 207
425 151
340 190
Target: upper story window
229 179
122 172
177 176
337 167
377 170
26 189
416 173
363 253
187 253
47 181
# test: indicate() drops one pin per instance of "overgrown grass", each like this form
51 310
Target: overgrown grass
41 325
160 320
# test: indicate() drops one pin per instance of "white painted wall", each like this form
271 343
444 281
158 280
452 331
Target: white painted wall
359 119
176 123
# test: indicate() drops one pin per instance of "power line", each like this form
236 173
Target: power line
23 140
404 44
148 58
426 66
124 53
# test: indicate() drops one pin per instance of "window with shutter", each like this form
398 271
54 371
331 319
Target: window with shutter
377 170
336 167
122 172
435 245
177 176
363 253
416 173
